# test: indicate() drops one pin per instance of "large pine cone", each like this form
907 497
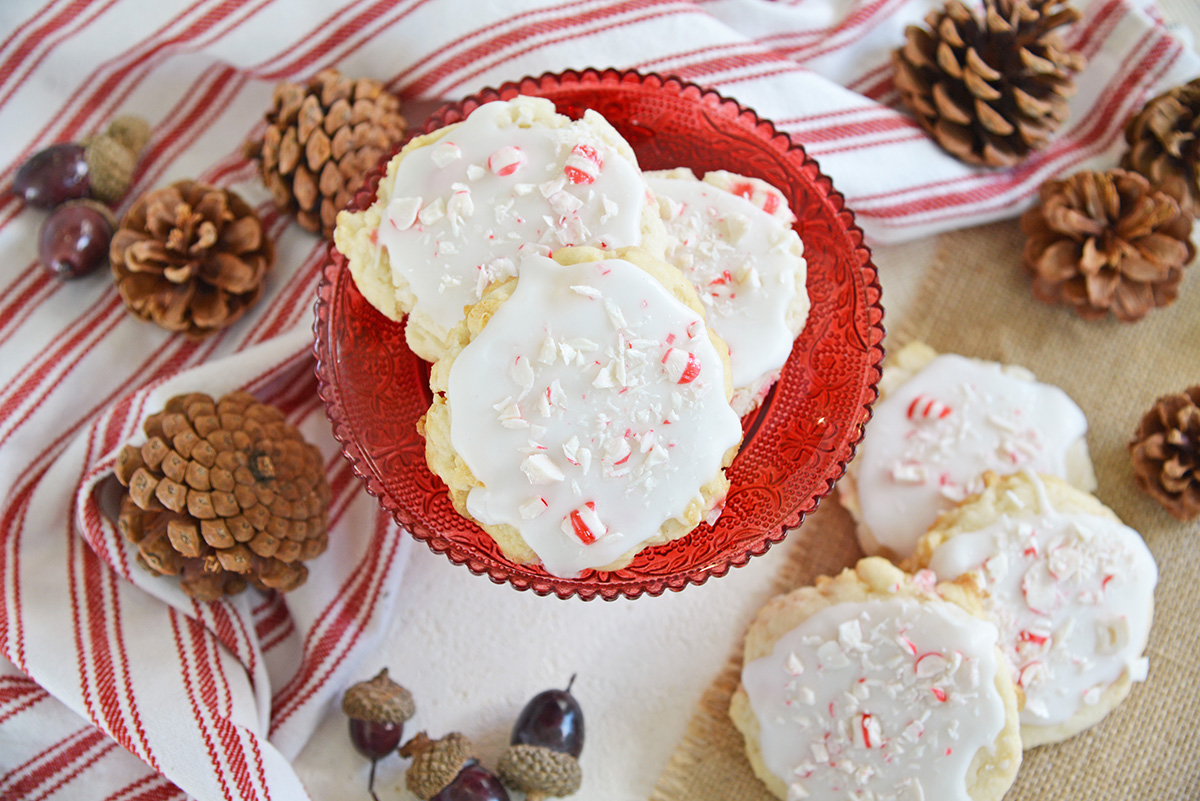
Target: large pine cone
321 139
1106 242
991 91
224 493
1164 143
191 258
1166 453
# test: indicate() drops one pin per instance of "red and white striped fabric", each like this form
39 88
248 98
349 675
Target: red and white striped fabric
117 686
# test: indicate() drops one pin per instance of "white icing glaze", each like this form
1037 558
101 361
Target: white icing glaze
931 440
1072 595
467 208
886 699
591 384
747 266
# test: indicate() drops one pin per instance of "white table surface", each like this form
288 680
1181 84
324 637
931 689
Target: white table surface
473 652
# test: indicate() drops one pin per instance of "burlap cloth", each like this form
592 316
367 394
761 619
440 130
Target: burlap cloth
976 301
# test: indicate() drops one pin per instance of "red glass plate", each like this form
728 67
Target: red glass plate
796 445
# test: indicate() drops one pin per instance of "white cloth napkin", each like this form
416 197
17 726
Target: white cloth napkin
116 685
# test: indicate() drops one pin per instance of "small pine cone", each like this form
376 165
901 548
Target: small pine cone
321 139
224 493
989 91
540 771
1166 453
1164 143
435 763
1106 242
191 258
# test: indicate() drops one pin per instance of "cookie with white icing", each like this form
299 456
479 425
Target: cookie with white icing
941 422
1070 587
732 237
460 207
582 411
877 684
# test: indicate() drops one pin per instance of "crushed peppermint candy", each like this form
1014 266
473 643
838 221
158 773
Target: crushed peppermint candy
926 408
506 160
747 266
583 165
444 153
1072 595
941 430
610 444
402 212
478 203
884 733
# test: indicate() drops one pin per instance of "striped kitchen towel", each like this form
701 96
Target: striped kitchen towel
113 684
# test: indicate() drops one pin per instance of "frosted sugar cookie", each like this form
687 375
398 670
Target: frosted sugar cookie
1070 587
940 423
732 237
582 410
459 208
875 684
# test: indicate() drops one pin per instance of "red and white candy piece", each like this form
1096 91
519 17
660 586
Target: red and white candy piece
681 366
506 160
585 524
924 408
867 732
445 152
402 212
532 507
583 165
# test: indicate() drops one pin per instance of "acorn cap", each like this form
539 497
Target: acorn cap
379 700
131 131
435 763
539 771
110 167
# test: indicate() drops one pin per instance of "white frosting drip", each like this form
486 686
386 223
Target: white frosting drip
1072 595
886 699
931 440
747 266
465 209
592 384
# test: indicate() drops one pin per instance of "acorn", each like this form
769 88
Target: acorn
448 770
99 167
131 131
113 155
110 167
543 756
539 772
377 710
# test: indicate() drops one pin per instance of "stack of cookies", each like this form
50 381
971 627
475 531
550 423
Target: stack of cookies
596 333
1003 606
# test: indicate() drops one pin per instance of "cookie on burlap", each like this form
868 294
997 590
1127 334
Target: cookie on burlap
878 684
1070 587
940 423
732 237
582 412
460 207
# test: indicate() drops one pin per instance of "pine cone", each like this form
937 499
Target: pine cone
224 493
191 258
1166 453
1164 143
1106 241
321 139
991 91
